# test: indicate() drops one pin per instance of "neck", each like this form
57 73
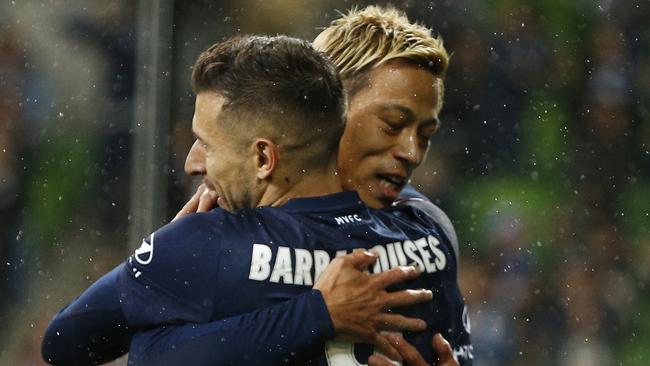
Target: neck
311 184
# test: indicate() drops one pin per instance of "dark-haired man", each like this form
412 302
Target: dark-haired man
393 71
253 109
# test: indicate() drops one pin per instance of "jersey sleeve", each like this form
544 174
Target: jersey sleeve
162 282
274 335
91 329
170 278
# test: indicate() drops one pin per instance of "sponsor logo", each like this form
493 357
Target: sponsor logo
144 254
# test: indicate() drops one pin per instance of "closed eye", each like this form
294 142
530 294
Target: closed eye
424 141
391 128
428 131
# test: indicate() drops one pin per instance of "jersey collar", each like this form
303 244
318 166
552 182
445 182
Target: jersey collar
324 203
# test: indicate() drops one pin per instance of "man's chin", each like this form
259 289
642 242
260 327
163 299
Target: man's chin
374 200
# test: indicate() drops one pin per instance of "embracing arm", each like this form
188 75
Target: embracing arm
263 337
346 302
94 329
91 329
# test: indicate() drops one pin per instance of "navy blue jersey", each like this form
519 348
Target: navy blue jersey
93 328
215 265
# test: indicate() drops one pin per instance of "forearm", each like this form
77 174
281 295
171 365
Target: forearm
91 329
268 336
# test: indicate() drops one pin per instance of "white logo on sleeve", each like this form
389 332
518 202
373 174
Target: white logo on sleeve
144 254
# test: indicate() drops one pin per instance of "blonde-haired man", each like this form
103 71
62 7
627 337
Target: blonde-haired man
393 73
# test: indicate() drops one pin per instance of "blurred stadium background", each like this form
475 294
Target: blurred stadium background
543 161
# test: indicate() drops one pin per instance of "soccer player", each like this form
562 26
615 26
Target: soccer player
263 263
383 36
393 72
277 181
253 108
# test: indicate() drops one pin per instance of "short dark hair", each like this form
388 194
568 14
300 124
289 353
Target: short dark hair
281 80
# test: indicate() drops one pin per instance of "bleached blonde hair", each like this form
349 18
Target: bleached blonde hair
364 39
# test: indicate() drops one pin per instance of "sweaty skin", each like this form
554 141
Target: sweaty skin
387 133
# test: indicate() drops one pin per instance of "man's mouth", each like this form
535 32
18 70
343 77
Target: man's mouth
391 184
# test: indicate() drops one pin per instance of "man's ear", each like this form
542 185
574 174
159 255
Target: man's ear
266 157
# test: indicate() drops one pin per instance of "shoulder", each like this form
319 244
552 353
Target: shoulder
197 229
410 192
172 275
434 213
188 245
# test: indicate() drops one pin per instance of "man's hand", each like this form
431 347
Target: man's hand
356 301
411 355
203 200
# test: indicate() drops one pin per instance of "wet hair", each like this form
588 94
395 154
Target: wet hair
279 88
364 39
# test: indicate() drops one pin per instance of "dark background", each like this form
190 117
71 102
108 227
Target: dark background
542 163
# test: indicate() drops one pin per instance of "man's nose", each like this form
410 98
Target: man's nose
195 161
408 149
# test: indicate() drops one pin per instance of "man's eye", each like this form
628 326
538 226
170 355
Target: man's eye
391 128
425 135
424 140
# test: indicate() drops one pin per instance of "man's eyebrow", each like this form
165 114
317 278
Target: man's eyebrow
409 114
391 107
